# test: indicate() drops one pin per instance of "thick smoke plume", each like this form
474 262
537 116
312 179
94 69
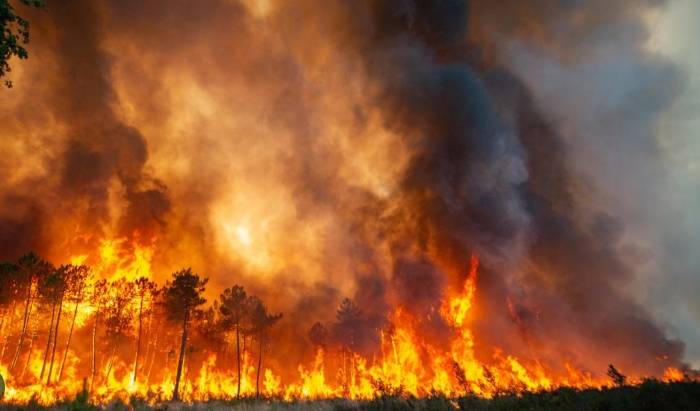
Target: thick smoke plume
313 150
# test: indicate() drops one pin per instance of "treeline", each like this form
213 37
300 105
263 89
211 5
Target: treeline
37 299
47 312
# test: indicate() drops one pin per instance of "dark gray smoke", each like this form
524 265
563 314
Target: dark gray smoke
99 152
490 176
524 127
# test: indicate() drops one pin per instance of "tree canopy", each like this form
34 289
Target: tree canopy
13 35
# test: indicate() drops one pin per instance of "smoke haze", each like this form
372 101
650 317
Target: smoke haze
313 150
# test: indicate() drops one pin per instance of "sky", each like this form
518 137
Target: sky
370 150
675 33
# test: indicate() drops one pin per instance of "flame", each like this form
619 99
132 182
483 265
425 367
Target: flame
456 308
409 364
115 263
672 374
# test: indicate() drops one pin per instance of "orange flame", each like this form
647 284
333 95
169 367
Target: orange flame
409 362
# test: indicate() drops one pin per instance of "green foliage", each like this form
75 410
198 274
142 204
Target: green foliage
14 33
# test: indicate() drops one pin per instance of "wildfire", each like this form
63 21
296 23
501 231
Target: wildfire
408 364
115 263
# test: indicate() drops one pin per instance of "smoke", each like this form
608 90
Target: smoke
601 92
313 150
97 159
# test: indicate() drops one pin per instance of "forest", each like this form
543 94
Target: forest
41 305
71 339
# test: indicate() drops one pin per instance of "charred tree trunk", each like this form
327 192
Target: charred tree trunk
138 344
154 350
94 346
238 360
55 337
27 309
48 341
6 335
181 357
2 323
112 356
70 335
149 344
257 375
34 332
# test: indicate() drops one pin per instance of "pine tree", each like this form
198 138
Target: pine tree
182 296
234 306
261 321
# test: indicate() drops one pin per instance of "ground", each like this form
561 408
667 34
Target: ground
649 396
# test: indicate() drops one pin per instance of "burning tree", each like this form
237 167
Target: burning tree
616 376
146 292
76 280
211 329
119 315
52 289
234 309
318 335
98 297
9 294
260 321
182 295
31 269
346 328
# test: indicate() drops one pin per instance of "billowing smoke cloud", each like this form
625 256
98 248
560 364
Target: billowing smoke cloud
98 159
312 150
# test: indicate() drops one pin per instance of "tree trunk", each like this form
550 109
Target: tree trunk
27 309
112 356
2 323
48 341
94 346
29 353
55 337
257 376
346 373
149 344
181 357
6 336
238 360
138 344
70 335
154 350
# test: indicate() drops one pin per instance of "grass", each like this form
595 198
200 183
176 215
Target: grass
649 396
